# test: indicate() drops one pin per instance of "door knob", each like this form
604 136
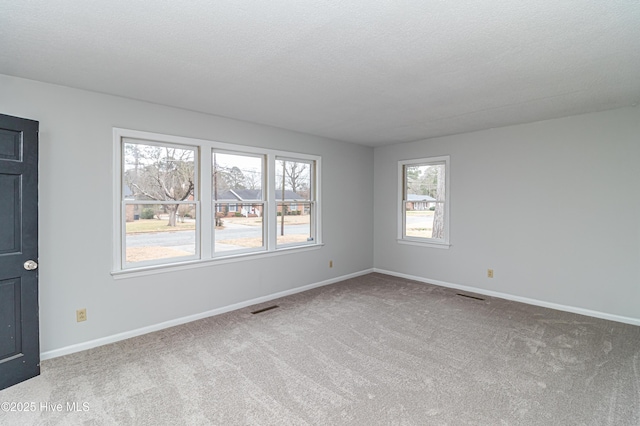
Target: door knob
30 265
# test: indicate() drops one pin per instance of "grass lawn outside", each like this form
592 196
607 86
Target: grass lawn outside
141 254
158 225
257 221
421 228
420 213
257 242
419 232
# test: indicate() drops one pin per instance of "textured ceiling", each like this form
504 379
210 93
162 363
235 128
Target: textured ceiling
372 72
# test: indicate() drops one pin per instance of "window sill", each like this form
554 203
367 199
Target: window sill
200 263
429 244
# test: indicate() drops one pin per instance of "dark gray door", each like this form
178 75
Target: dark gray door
19 329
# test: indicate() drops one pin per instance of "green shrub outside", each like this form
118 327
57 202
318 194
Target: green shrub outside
147 214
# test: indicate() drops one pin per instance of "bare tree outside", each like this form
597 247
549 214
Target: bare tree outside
291 175
253 180
159 173
295 176
438 214
234 171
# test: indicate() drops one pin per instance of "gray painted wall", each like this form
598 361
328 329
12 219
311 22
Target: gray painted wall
553 207
76 150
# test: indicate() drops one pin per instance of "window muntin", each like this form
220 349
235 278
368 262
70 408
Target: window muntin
159 202
205 235
424 205
295 202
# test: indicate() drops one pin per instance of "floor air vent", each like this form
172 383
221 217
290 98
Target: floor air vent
259 311
470 297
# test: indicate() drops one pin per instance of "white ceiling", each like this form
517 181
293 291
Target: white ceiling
373 72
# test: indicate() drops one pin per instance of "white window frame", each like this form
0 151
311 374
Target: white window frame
312 201
205 227
236 203
401 203
123 202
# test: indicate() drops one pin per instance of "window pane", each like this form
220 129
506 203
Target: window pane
293 180
159 173
424 197
237 177
149 236
418 222
238 227
425 180
294 223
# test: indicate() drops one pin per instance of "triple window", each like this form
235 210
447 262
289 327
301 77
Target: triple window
183 200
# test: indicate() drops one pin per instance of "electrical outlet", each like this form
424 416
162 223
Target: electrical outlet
489 273
81 315
331 264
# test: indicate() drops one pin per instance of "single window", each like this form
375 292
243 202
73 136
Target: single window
238 178
424 203
295 198
159 202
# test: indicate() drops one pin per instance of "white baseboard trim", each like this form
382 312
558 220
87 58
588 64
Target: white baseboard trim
556 306
171 323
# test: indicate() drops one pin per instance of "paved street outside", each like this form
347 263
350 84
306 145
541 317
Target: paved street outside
183 242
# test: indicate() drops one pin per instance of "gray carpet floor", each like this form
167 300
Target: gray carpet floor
373 350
